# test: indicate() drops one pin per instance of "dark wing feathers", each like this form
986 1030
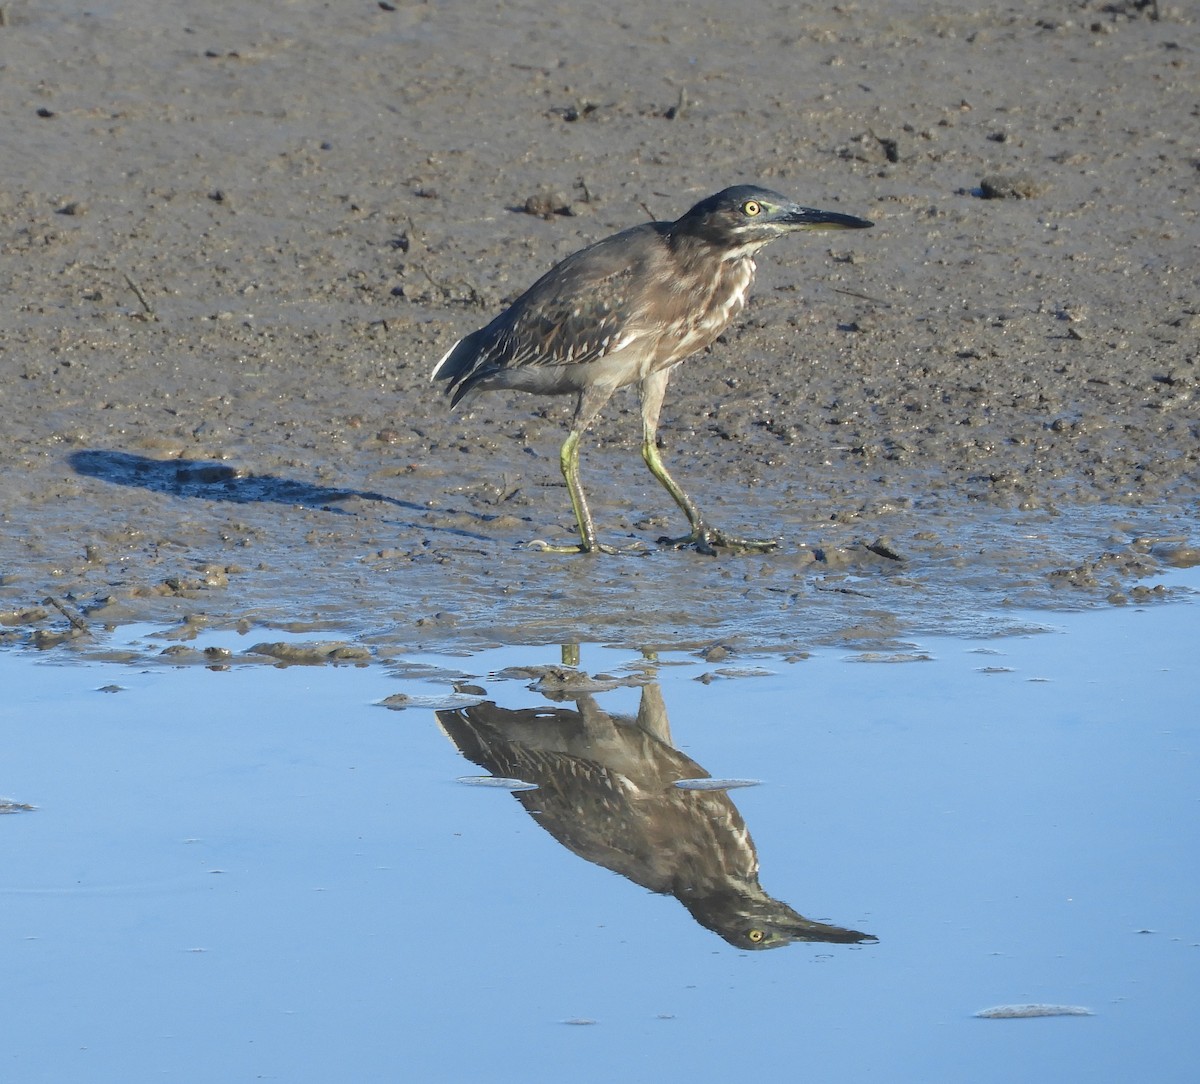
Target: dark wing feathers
577 312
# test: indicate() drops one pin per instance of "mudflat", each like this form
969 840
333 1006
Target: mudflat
234 240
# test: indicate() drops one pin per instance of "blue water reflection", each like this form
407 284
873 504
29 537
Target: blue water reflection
262 873
607 788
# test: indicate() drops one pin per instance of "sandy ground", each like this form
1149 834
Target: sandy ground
235 238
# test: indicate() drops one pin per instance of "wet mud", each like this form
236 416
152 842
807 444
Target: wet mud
232 246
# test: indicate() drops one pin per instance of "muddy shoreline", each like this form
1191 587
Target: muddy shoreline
232 249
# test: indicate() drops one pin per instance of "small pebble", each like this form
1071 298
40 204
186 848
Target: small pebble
1010 186
1026 1012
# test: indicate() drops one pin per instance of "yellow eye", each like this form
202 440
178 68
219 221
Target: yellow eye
750 208
755 935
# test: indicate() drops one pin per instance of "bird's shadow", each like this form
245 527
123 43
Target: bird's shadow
215 481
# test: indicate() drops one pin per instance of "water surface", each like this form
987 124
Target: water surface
263 873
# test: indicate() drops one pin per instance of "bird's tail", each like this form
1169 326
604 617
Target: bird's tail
456 362
456 366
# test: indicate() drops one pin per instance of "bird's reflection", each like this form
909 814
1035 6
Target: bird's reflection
605 789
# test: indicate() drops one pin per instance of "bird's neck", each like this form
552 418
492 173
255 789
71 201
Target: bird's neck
712 289
694 246
743 252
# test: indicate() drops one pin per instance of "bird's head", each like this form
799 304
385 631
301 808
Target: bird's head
744 218
748 918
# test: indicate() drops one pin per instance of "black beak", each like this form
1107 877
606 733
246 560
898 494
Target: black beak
808 218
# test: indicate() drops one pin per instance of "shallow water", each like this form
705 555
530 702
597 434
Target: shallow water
263 873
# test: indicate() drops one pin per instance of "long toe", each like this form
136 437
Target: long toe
744 545
697 540
708 540
543 546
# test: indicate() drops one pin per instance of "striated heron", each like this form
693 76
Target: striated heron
627 310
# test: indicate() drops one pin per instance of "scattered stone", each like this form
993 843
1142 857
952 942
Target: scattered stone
8 806
883 547
546 204
43 639
23 616
311 654
1026 1012
1175 556
1010 186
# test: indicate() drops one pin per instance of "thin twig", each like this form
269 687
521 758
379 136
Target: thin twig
138 292
447 288
862 297
77 622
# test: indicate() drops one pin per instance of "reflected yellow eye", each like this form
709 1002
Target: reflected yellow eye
750 208
755 935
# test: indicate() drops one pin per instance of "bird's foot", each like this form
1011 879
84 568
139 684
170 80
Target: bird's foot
542 546
708 540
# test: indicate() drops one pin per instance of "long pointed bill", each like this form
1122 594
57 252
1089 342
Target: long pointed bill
807 218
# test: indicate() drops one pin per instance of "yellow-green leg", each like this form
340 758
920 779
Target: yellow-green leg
702 536
568 458
589 406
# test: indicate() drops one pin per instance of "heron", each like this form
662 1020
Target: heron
627 310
